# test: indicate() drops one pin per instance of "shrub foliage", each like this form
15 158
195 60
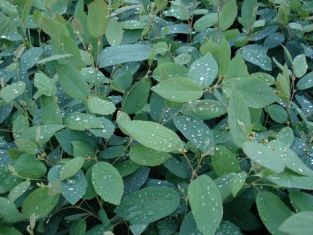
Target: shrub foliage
156 117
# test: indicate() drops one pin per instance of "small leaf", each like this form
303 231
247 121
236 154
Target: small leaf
97 18
148 205
136 98
72 82
272 210
11 92
206 21
248 13
147 157
306 82
115 55
205 109
204 71
82 121
196 131
114 32
178 90
257 54
18 190
97 105
71 167
299 65
28 166
39 202
224 161
206 204
45 85
152 135
227 14
301 201
107 182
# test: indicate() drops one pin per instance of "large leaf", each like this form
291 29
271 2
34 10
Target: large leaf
98 13
178 90
255 92
115 55
272 211
107 182
298 224
72 82
227 14
206 204
40 202
238 119
152 135
148 205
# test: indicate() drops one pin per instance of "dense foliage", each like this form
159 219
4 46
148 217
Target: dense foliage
156 117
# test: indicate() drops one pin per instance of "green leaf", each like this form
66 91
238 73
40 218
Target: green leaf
277 113
45 85
73 188
40 202
114 32
11 92
169 70
28 166
206 21
227 14
83 121
189 226
196 131
8 211
298 224
178 90
204 71
147 157
115 55
98 14
256 93
272 210
239 120
224 161
305 82
136 98
41 134
78 227
264 156
18 190
206 204
148 205
248 13
71 167
299 65
257 54
72 82
97 105
107 182
291 180
205 109
152 135
301 201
